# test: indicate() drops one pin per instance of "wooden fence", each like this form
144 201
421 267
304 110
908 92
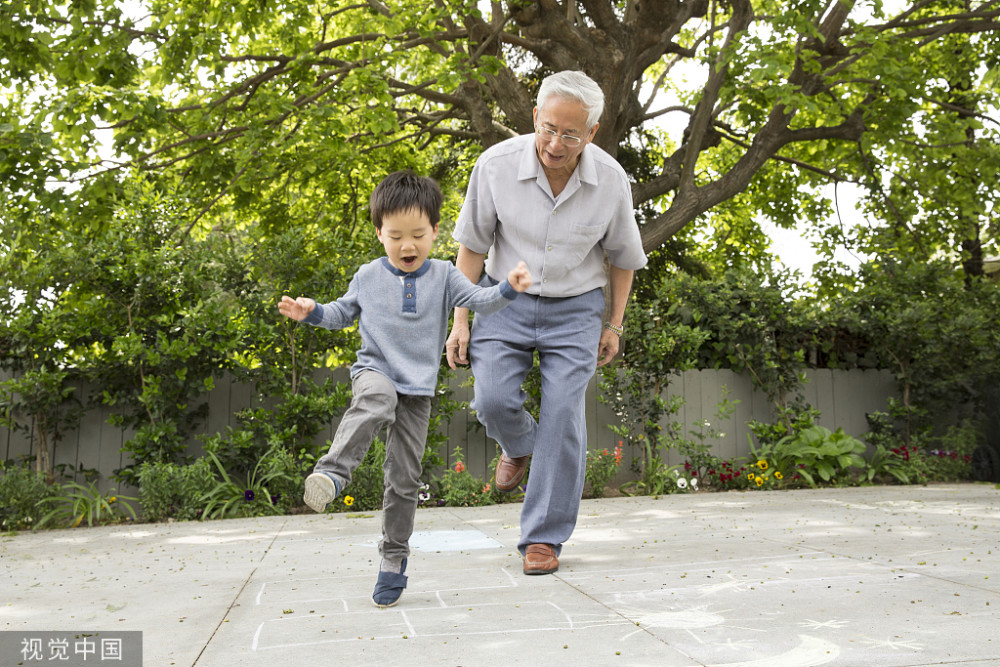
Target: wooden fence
842 397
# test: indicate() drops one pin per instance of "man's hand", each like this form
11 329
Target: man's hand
457 346
297 309
608 347
519 277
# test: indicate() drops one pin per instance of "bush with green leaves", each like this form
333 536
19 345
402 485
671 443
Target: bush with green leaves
287 478
814 452
292 424
22 491
935 329
367 485
254 495
174 491
602 466
73 503
460 488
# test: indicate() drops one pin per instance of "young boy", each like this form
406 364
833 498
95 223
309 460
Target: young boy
401 302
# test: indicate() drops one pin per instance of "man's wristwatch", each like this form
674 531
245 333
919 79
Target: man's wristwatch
618 330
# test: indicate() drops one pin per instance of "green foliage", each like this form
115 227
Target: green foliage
22 491
40 402
291 424
944 458
367 486
657 346
749 323
741 474
657 479
460 488
601 468
231 498
936 332
789 420
696 447
174 491
75 502
814 452
443 408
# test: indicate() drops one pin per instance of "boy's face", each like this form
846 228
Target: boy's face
407 237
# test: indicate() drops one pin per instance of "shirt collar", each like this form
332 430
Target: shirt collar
529 167
424 268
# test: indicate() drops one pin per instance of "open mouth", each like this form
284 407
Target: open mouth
409 260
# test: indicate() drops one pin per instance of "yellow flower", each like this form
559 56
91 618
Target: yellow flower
759 480
348 500
762 464
749 475
778 475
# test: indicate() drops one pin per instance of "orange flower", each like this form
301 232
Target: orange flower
459 467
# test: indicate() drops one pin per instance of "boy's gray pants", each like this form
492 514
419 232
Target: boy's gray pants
376 405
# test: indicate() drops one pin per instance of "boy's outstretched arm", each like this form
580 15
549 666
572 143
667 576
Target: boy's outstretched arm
519 277
297 309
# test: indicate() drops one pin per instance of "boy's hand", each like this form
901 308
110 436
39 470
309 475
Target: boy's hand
519 277
297 309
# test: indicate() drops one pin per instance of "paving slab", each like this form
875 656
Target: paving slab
887 576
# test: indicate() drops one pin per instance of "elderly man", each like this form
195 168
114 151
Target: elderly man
561 204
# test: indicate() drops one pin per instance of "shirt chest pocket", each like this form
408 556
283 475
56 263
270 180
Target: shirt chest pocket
583 237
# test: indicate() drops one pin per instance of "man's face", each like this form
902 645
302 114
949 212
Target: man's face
565 117
407 237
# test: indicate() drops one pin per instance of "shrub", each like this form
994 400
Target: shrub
287 475
252 497
21 491
367 483
814 452
602 468
172 491
460 488
75 502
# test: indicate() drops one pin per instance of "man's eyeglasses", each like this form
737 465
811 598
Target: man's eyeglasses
549 135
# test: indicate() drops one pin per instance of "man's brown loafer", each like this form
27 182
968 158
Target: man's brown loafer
510 472
540 559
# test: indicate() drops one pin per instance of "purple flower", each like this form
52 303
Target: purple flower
248 495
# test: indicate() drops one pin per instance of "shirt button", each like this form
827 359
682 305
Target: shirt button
409 296
409 285
548 247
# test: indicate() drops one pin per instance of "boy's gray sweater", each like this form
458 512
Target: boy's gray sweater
403 318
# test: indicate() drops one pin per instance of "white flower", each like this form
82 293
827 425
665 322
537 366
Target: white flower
694 482
682 483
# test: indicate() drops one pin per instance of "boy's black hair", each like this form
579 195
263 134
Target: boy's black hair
405 191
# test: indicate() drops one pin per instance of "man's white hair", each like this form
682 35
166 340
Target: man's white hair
575 86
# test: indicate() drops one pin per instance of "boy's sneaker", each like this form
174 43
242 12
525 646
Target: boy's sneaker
321 489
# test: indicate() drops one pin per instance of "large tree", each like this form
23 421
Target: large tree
288 107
